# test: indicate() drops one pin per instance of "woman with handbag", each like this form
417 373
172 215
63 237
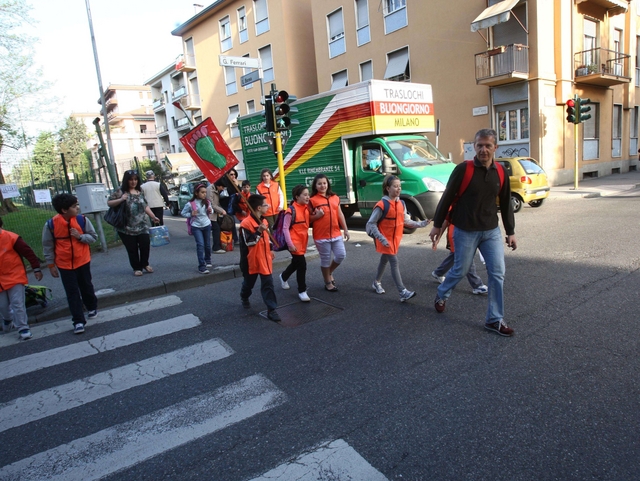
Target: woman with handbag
135 232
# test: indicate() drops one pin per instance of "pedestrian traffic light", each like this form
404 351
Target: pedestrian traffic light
582 109
282 110
269 115
571 111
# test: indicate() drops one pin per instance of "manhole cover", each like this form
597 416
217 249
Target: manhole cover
298 313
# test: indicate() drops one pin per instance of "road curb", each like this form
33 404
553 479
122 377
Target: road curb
223 273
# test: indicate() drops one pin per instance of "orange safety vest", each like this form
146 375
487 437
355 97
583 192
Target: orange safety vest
259 255
12 271
244 206
327 226
272 195
299 230
391 227
70 253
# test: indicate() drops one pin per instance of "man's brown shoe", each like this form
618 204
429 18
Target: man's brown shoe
499 327
439 304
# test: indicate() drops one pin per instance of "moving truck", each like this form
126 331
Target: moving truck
355 135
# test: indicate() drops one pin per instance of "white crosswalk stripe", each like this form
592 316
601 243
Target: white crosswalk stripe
60 355
127 444
56 327
61 398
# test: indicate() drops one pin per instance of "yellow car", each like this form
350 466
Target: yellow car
528 181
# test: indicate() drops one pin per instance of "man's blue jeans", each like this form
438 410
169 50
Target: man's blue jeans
202 235
490 244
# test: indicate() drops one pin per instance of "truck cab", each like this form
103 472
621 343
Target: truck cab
423 172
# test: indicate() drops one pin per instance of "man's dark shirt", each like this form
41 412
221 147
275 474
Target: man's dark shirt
476 209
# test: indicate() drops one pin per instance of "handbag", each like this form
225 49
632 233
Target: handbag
117 216
159 236
226 223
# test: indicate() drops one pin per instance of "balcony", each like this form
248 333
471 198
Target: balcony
162 130
603 67
192 102
186 63
181 124
180 92
158 104
502 65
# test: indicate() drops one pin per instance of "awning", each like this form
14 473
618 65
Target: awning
233 116
340 80
493 15
613 7
397 64
179 162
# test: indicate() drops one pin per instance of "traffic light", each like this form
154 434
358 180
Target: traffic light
282 110
571 111
269 115
582 109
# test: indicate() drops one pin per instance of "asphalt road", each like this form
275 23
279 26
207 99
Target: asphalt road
399 391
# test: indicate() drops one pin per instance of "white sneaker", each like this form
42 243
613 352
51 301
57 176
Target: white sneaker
284 284
406 295
304 297
481 290
220 251
377 287
25 334
440 279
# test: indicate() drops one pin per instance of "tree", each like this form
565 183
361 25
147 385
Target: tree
45 164
20 80
73 139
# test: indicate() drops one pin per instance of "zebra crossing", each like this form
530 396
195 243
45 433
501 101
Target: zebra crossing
124 445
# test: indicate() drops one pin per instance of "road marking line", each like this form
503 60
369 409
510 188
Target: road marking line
124 445
60 355
67 396
335 460
59 326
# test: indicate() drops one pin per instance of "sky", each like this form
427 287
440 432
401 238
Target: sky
133 38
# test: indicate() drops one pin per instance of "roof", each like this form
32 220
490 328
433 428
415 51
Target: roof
198 18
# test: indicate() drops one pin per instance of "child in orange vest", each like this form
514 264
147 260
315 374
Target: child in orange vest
296 233
256 258
13 278
65 243
386 230
241 208
272 191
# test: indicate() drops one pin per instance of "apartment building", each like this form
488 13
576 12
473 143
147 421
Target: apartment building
131 124
171 84
279 32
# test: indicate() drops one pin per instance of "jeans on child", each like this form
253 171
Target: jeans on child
202 235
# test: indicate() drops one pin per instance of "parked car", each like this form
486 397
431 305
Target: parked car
529 183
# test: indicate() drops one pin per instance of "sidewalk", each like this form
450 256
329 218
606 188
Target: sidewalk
175 264
175 268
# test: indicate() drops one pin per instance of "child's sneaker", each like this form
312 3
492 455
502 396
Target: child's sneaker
284 284
78 328
92 314
203 271
377 287
406 295
7 325
481 290
25 334
304 297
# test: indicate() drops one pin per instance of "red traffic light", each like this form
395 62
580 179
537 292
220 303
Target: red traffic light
282 96
571 103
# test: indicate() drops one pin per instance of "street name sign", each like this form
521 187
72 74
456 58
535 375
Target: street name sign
241 62
249 78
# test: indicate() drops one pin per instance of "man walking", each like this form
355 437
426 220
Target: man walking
475 215
155 194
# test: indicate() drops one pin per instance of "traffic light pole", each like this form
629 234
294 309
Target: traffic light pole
575 150
278 142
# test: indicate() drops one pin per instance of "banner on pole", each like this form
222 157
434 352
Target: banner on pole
208 150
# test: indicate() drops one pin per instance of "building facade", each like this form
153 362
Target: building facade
131 124
279 32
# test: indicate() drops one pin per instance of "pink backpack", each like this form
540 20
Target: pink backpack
193 207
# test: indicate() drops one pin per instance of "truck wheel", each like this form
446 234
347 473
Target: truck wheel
413 212
173 208
348 210
517 203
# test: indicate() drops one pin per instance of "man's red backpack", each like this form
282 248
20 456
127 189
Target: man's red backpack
466 180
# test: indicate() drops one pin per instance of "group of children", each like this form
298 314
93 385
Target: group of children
65 241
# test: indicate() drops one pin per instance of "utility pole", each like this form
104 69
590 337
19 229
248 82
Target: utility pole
111 159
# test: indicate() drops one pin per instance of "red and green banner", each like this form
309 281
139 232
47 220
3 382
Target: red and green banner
208 150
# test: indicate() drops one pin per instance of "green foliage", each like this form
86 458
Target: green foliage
73 139
146 165
45 162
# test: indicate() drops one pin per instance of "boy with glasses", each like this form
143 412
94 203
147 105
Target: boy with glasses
256 257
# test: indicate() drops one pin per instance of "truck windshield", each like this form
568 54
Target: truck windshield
412 152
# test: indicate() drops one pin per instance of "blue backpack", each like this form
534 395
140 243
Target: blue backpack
82 221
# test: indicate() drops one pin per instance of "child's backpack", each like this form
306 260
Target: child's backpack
386 205
193 207
37 296
278 230
82 221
